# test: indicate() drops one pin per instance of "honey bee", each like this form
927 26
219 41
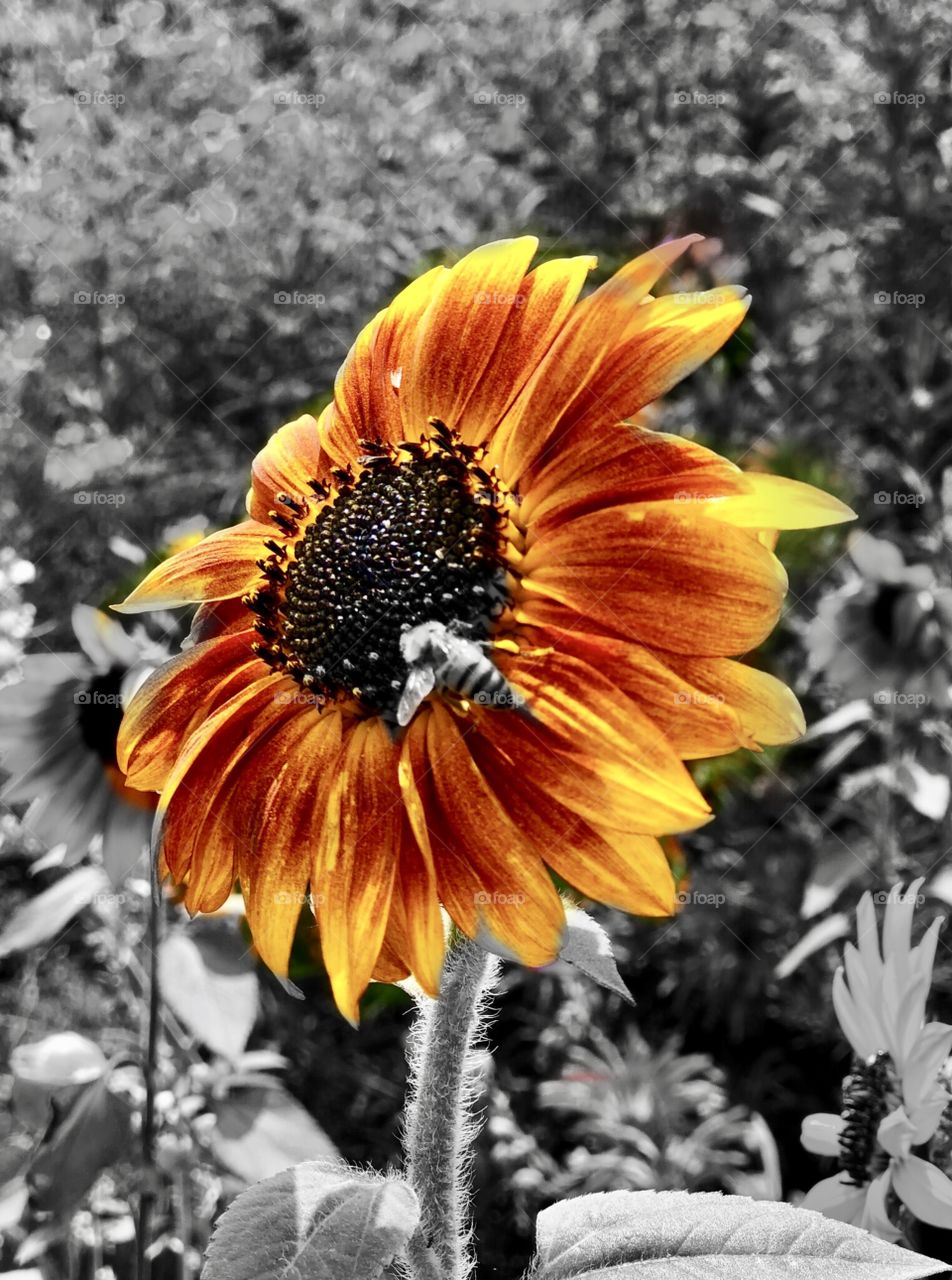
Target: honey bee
439 658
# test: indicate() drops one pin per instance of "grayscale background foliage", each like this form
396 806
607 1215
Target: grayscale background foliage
202 202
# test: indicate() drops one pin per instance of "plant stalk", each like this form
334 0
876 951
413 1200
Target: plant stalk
440 1128
148 1173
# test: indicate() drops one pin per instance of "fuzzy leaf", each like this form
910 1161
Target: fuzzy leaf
261 1131
44 916
209 980
318 1220
677 1235
588 947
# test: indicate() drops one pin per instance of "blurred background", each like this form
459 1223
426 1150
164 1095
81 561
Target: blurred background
201 205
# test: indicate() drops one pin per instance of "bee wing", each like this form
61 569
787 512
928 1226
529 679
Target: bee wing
420 682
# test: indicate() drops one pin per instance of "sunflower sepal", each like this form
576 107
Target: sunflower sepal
588 947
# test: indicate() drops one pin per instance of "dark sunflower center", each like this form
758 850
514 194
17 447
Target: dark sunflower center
99 713
417 537
869 1094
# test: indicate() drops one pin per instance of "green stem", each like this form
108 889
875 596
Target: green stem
440 1129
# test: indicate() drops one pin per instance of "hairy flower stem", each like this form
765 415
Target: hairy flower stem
147 1193
440 1129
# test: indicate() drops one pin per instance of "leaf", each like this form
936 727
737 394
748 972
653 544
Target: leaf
262 1131
831 873
844 717
209 980
588 947
13 1201
57 1067
821 935
928 793
318 1220
678 1235
44 916
95 1133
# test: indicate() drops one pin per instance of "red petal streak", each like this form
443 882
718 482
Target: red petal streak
469 311
370 387
620 770
354 870
208 756
615 464
674 582
175 700
487 869
297 766
635 877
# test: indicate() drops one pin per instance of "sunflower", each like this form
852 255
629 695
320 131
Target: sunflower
886 634
895 1097
473 523
58 728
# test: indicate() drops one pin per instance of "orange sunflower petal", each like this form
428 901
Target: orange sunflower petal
695 721
175 700
624 464
293 456
546 297
352 880
298 763
219 566
590 336
776 502
369 389
602 741
489 876
669 338
207 758
657 576
769 712
460 330
634 876
420 919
